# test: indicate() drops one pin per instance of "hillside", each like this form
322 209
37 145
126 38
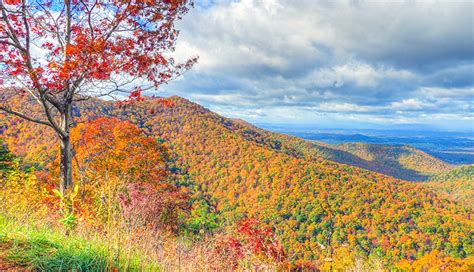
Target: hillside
403 162
318 207
458 184
399 161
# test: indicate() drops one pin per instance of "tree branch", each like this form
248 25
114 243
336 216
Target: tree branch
21 115
50 117
11 32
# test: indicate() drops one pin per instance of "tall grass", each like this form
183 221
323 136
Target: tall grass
43 249
31 235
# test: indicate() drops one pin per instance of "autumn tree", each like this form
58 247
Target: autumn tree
111 147
58 52
117 162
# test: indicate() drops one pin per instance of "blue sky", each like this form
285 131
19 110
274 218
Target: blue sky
337 63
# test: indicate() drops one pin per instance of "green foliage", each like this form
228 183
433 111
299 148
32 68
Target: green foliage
6 158
465 172
201 220
68 219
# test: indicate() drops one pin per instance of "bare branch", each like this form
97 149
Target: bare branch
11 44
21 115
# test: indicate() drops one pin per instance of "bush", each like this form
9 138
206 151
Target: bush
21 195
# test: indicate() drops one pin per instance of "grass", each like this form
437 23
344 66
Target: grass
43 249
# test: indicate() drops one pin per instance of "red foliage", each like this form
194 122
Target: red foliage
112 41
227 253
260 239
154 206
251 239
12 2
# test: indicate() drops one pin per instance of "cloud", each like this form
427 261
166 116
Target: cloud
303 59
360 74
410 104
411 34
455 76
440 92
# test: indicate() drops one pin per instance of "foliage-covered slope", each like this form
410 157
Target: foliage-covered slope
318 207
403 162
400 161
458 184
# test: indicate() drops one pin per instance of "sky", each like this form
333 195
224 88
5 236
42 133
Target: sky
346 64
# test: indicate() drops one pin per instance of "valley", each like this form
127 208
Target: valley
450 147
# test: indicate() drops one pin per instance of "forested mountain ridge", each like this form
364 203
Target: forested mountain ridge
318 208
458 184
399 161
403 162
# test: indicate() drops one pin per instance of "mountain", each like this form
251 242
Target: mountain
399 161
318 207
409 157
458 184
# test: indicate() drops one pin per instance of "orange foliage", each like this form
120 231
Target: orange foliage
316 206
116 162
108 146
437 261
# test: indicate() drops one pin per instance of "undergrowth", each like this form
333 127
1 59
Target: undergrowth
43 249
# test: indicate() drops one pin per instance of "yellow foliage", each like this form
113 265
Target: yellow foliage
436 261
21 195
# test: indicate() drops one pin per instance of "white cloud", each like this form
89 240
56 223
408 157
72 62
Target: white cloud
440 92
278 33
344 107
361 74
410 104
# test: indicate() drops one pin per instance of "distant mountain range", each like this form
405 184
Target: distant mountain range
400 161
318 197
450 147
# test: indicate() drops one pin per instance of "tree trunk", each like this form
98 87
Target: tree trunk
65 167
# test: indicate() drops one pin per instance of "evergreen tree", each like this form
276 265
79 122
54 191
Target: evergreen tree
5 158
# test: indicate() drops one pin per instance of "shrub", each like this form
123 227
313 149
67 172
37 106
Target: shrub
251 245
